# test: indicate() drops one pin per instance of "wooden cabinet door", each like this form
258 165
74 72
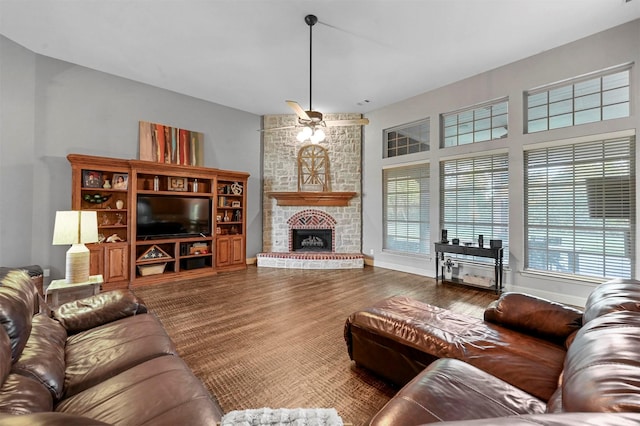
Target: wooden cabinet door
237 250
116 262
96 259
223 252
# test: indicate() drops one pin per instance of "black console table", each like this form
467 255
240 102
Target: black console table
493 253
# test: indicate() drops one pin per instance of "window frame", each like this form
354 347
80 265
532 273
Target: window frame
422 172
476 117
563 258
492 229
568 107
408 145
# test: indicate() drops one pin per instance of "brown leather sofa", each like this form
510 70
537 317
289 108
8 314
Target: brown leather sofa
99 360
540 361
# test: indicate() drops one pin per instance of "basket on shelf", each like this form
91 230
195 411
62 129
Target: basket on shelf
156 268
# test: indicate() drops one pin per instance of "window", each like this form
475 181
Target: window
407 139
598 97
406 209
475 199
580 208
477 124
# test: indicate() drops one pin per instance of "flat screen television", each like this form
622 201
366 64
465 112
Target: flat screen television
163 216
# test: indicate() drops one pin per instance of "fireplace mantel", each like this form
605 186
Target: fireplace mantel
334 199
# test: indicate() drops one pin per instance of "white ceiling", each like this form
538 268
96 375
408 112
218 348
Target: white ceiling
254 54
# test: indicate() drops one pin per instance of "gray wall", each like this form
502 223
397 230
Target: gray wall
613 47
50 108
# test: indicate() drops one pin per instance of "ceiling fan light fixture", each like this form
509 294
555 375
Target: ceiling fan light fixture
313 135
304 134
317 136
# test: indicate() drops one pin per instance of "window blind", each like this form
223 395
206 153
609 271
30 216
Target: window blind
406 209
580 208
475 199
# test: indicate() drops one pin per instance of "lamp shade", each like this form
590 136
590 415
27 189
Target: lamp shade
75 227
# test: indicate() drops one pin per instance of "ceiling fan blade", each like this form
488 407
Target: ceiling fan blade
299 111
358 122
277 128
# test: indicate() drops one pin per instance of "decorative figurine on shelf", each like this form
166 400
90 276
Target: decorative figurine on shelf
114 238
237 216
105 219
119 219
106 184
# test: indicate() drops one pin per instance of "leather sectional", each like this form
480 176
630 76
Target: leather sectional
529 361
99 360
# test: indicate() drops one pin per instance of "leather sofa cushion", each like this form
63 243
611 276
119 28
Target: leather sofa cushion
43 357
22 395
161 391
102 308
102 352
48 419
18 297
615 295
566 419
595 377
450 389
5 355
535 316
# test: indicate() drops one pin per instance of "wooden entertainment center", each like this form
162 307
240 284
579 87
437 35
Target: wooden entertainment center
130 256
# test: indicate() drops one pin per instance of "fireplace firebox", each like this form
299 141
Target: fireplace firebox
317 240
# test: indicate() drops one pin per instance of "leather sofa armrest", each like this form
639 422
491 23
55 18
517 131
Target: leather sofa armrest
534 316
97 310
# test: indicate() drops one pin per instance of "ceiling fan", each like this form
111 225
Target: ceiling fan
312 121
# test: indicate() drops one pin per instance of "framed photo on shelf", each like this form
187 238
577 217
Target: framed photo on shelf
176 183
235 204
91 179
120 180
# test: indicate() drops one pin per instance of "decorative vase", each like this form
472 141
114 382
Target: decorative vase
119 204
106 185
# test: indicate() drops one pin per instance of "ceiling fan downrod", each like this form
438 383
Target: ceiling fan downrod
311 21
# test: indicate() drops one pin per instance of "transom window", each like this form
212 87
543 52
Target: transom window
580 208
475 199
476 124
406 209
407 139
599 97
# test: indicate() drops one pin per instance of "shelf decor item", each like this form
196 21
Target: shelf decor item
176 183
120 180
236 188
91 179
76 228
155 269
165 144
154 253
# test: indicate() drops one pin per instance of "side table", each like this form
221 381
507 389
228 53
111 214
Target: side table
61 290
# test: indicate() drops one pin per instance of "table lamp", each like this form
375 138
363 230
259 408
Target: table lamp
76 228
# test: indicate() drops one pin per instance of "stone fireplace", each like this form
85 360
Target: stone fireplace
307 233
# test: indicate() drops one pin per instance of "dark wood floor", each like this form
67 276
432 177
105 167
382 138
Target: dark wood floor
269 337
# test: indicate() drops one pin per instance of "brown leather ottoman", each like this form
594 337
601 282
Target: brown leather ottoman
398 337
